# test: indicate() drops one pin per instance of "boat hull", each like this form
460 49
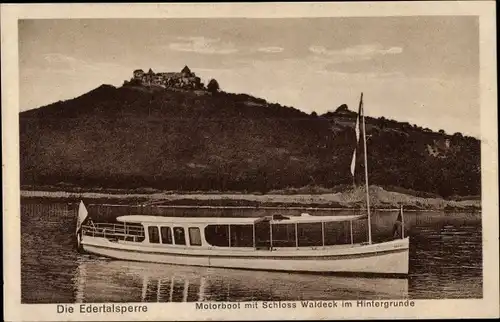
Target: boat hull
383 258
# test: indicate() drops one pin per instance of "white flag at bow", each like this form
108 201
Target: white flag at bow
82 215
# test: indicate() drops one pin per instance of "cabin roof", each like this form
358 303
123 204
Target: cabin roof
314 219
186 220
233 220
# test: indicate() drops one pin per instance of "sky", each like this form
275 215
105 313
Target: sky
422 70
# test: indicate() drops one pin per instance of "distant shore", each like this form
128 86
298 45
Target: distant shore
350 199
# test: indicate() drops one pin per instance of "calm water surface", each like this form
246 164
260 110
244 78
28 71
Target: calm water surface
445 262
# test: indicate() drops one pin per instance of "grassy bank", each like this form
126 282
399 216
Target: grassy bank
348 199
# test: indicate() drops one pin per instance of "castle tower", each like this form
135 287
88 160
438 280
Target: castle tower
138 73
186 72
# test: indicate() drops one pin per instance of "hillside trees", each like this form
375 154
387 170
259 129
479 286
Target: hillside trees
213 86
131 137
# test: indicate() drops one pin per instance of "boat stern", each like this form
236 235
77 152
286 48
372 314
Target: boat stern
395 257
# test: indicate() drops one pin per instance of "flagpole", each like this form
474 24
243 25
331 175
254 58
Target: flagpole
366 172
402 224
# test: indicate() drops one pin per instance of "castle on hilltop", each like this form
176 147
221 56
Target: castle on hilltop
186 79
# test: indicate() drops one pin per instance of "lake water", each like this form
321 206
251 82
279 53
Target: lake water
445 263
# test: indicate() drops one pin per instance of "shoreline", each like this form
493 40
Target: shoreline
353 199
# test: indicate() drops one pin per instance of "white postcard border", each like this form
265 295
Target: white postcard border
486 307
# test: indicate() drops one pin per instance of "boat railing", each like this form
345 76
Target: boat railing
114 231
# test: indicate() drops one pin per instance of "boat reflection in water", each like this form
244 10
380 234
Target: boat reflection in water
102 280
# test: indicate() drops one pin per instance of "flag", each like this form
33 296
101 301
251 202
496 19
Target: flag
82 215
360 112
400 215
397 229
357 131
353 162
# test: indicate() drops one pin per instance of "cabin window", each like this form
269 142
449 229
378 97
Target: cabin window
154 236
284 235
241 235
166 235
262 234
194 236
309 234
337 233
179 236
360 231
217 235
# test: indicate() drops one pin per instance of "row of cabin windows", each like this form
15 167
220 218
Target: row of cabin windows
178 236
286 235
283 235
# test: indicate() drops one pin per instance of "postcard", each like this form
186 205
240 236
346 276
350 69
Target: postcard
236 161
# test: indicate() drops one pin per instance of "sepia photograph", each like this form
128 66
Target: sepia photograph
251 163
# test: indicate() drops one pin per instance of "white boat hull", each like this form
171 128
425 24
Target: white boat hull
383 258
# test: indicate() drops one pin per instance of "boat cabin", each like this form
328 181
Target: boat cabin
268 233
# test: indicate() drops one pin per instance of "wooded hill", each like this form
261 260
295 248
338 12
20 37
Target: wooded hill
133 136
